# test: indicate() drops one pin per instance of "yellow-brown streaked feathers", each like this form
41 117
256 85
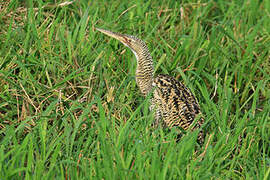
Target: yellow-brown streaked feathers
174 103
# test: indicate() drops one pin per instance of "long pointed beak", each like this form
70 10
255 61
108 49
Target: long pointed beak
115 35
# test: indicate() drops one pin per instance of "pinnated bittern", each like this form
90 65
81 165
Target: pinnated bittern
173 102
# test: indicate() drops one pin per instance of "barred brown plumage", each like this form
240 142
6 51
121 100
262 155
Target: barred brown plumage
174 103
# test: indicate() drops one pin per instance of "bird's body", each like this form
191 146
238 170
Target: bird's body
174 103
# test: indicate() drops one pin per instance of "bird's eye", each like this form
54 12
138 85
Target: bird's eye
127 40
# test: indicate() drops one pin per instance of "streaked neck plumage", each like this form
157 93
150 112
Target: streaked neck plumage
144 70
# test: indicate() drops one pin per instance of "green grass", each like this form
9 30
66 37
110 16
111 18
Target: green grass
70 107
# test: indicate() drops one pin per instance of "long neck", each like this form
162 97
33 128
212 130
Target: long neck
144 71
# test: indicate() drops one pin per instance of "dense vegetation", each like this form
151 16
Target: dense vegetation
70 107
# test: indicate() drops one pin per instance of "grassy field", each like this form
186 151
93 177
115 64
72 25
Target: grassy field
70 107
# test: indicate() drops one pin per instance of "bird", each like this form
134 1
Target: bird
173 102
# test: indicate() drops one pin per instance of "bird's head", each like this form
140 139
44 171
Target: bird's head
133 42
